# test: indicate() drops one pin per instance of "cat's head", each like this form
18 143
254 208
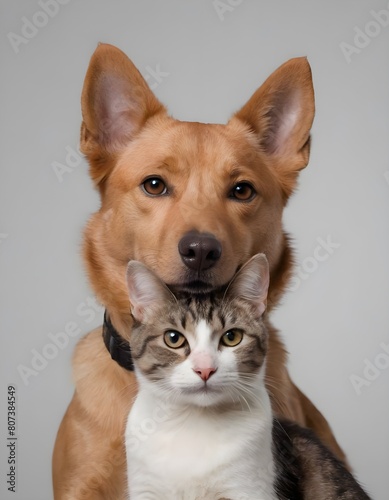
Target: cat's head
203 350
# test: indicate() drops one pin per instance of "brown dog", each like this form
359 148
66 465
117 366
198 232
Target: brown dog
192 201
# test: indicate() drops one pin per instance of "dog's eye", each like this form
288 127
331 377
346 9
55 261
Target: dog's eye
174 339
243 191
154 186
232 338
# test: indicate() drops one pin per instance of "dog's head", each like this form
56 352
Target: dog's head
192 201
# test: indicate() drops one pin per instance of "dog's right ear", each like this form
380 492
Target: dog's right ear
116 102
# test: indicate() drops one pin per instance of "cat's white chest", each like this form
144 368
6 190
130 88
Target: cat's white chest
196 454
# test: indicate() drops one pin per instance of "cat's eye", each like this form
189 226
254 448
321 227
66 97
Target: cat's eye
232 338
154 186
174 339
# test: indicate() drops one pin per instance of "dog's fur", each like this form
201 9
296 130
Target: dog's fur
127 137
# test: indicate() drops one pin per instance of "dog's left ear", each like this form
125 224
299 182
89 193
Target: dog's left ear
281 113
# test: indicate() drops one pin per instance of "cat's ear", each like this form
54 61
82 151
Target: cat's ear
251 283
147 292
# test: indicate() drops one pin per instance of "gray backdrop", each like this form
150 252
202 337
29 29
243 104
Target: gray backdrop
203 58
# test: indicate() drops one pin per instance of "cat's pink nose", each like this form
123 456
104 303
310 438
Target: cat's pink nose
204 373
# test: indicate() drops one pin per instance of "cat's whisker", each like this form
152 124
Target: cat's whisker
233 395
277 397
278 393
242 389
269 379
251 392
245 400
236 395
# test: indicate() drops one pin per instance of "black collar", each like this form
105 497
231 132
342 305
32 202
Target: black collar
117 346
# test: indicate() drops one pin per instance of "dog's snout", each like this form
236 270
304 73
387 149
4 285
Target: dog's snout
199 251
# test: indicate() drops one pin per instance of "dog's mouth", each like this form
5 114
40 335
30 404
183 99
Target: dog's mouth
195 282
199 286
193 287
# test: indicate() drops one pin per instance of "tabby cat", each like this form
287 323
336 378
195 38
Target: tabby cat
201 427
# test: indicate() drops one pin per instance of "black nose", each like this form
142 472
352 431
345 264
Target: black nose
199 251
